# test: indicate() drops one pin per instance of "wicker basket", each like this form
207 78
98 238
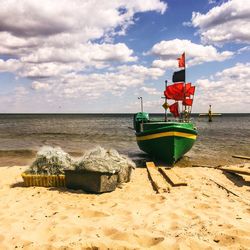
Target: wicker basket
44 180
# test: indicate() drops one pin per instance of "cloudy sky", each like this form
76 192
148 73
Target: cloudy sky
99 56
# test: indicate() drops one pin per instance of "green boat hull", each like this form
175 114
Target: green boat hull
166 141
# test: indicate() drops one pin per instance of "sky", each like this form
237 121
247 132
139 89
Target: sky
90 56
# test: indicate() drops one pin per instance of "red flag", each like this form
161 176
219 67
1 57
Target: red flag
175 91
181 61
174 109
188 86
187 102
189 90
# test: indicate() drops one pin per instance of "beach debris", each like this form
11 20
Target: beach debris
223 187
204 166
243 169
158 182
50 161
205 194
241 157
101 160
172 177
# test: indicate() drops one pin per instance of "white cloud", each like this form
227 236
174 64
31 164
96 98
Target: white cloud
138 70
94 85
154 106
45 70
10 65
21 91
229 22
60 43
16 46
226 90
36 85
65 31
29 18
211 1
244 49
151 91
65 23
169 51
51 61
87 53
165 64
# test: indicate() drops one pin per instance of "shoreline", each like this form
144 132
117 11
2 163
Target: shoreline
198 216
23 157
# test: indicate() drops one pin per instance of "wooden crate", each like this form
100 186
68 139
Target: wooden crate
91 181
44 180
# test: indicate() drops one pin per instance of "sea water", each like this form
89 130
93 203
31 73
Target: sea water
21 135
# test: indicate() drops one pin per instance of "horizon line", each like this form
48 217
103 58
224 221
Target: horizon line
105 113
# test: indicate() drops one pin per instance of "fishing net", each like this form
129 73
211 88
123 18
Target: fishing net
106 161
51 161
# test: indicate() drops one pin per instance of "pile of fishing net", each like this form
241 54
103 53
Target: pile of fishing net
51 161
106 161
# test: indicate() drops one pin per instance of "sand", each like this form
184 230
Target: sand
198 216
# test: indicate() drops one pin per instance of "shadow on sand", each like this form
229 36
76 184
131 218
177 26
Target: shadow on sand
236 179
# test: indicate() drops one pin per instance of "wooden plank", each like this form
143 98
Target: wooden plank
223 187
158 182
237 170
203 166
241 157
246 177
171 177
219 184
246 201
150 164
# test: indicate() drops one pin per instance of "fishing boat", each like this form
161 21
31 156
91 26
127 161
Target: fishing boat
169 139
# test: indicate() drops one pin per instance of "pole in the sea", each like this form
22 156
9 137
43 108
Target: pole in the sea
141 103
210 113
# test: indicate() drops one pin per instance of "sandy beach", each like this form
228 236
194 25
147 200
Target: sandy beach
198 216
94 90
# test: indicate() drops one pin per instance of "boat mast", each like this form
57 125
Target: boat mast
185 107
190 110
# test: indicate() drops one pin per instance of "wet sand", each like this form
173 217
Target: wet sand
198 216
26 157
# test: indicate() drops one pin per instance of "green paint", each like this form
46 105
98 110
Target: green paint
167 148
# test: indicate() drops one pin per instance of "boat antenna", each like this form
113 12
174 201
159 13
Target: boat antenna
166 114
141 103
